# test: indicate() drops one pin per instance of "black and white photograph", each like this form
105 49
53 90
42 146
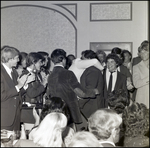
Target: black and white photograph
75 73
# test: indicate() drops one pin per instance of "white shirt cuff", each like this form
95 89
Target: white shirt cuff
17 88
25 86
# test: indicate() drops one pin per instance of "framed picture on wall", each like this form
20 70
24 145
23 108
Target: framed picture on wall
108 46
111 11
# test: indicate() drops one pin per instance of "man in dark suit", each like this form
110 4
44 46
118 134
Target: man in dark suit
118 79
91 78
11 89
64 84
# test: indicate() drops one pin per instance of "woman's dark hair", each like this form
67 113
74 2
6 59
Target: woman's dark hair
118 100
126 51
69 60
33 57
55 104
22 56
136 120
118 51
90 54
43 53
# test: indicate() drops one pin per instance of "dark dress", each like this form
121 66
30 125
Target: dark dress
92 78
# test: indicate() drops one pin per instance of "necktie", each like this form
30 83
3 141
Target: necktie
110 83
14 77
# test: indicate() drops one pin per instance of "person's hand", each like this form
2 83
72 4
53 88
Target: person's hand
23 133
96 91
69 136
45 80
30 78
43 74
129 84
22 81
130 87
36 116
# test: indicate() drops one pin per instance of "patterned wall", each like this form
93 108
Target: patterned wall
34 28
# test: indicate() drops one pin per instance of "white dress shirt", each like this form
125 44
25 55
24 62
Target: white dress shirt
114 74
9 70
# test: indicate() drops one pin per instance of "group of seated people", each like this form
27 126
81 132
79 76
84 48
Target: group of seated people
106 126
99 112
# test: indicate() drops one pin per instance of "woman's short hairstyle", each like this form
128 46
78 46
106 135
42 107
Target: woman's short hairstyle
90 54
54 104
69 60
118 100
115 57
33 57
71 57
22 57
58 55
126 51
84 139
49 132
43 53
144 46
145 42
116 50
102 122
8 53
136 119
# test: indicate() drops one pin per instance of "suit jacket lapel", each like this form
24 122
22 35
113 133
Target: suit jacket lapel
8 78
118 80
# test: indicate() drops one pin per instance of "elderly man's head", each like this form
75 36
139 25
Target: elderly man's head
104 124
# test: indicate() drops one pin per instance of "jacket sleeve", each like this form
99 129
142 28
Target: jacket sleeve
7 93
137 80
77 88
35 90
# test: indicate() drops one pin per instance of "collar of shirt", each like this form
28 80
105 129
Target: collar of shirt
58 65
8 70
114 78
107 70
107 142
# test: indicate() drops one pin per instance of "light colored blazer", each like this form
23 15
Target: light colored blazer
141 82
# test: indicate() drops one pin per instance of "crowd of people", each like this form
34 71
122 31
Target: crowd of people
97 100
